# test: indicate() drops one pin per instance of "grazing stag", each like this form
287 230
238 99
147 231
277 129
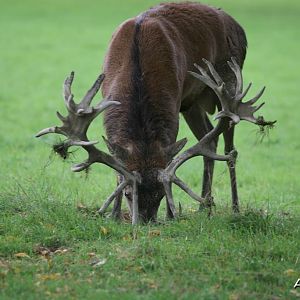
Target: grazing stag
147 82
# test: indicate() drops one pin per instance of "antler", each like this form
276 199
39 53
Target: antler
232 108
75 127
168 176
232 105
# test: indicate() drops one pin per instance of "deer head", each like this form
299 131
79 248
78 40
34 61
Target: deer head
147 160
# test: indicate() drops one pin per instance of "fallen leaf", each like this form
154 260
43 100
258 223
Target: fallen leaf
150 283
154 233
103 230
216 287
16 270
45 253
40 249
22 255
49 226
192 210
53 276
139 269
98 262
234 297
61 251
290 272
81 206
126 237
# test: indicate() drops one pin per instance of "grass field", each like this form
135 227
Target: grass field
54 246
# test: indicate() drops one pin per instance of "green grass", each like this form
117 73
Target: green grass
42 204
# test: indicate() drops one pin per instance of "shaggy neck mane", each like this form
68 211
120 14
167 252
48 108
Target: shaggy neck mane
137 119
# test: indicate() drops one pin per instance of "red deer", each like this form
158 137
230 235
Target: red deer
147 81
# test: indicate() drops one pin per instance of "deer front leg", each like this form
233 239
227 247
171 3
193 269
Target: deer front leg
229 146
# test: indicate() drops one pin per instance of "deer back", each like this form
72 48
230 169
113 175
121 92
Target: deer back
147 64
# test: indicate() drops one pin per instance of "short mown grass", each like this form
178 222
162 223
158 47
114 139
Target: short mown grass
53 245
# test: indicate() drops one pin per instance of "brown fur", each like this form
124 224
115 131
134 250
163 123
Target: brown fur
146 69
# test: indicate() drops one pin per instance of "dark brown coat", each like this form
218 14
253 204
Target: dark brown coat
146 69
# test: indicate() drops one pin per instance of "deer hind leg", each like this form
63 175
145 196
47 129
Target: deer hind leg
229 146
200 125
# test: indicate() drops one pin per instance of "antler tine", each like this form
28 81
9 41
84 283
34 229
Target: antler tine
67 85
101 106
83 143
135 208
92 91
186 189
169 195
216 84
53 129
256 98
234 66
84 106
243 95
205 78
110 199
68 96
213 72
61 117
256 108
167 178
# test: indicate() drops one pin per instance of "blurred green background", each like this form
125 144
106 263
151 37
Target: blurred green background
42 41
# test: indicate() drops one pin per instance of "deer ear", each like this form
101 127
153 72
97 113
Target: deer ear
173 149
116 150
